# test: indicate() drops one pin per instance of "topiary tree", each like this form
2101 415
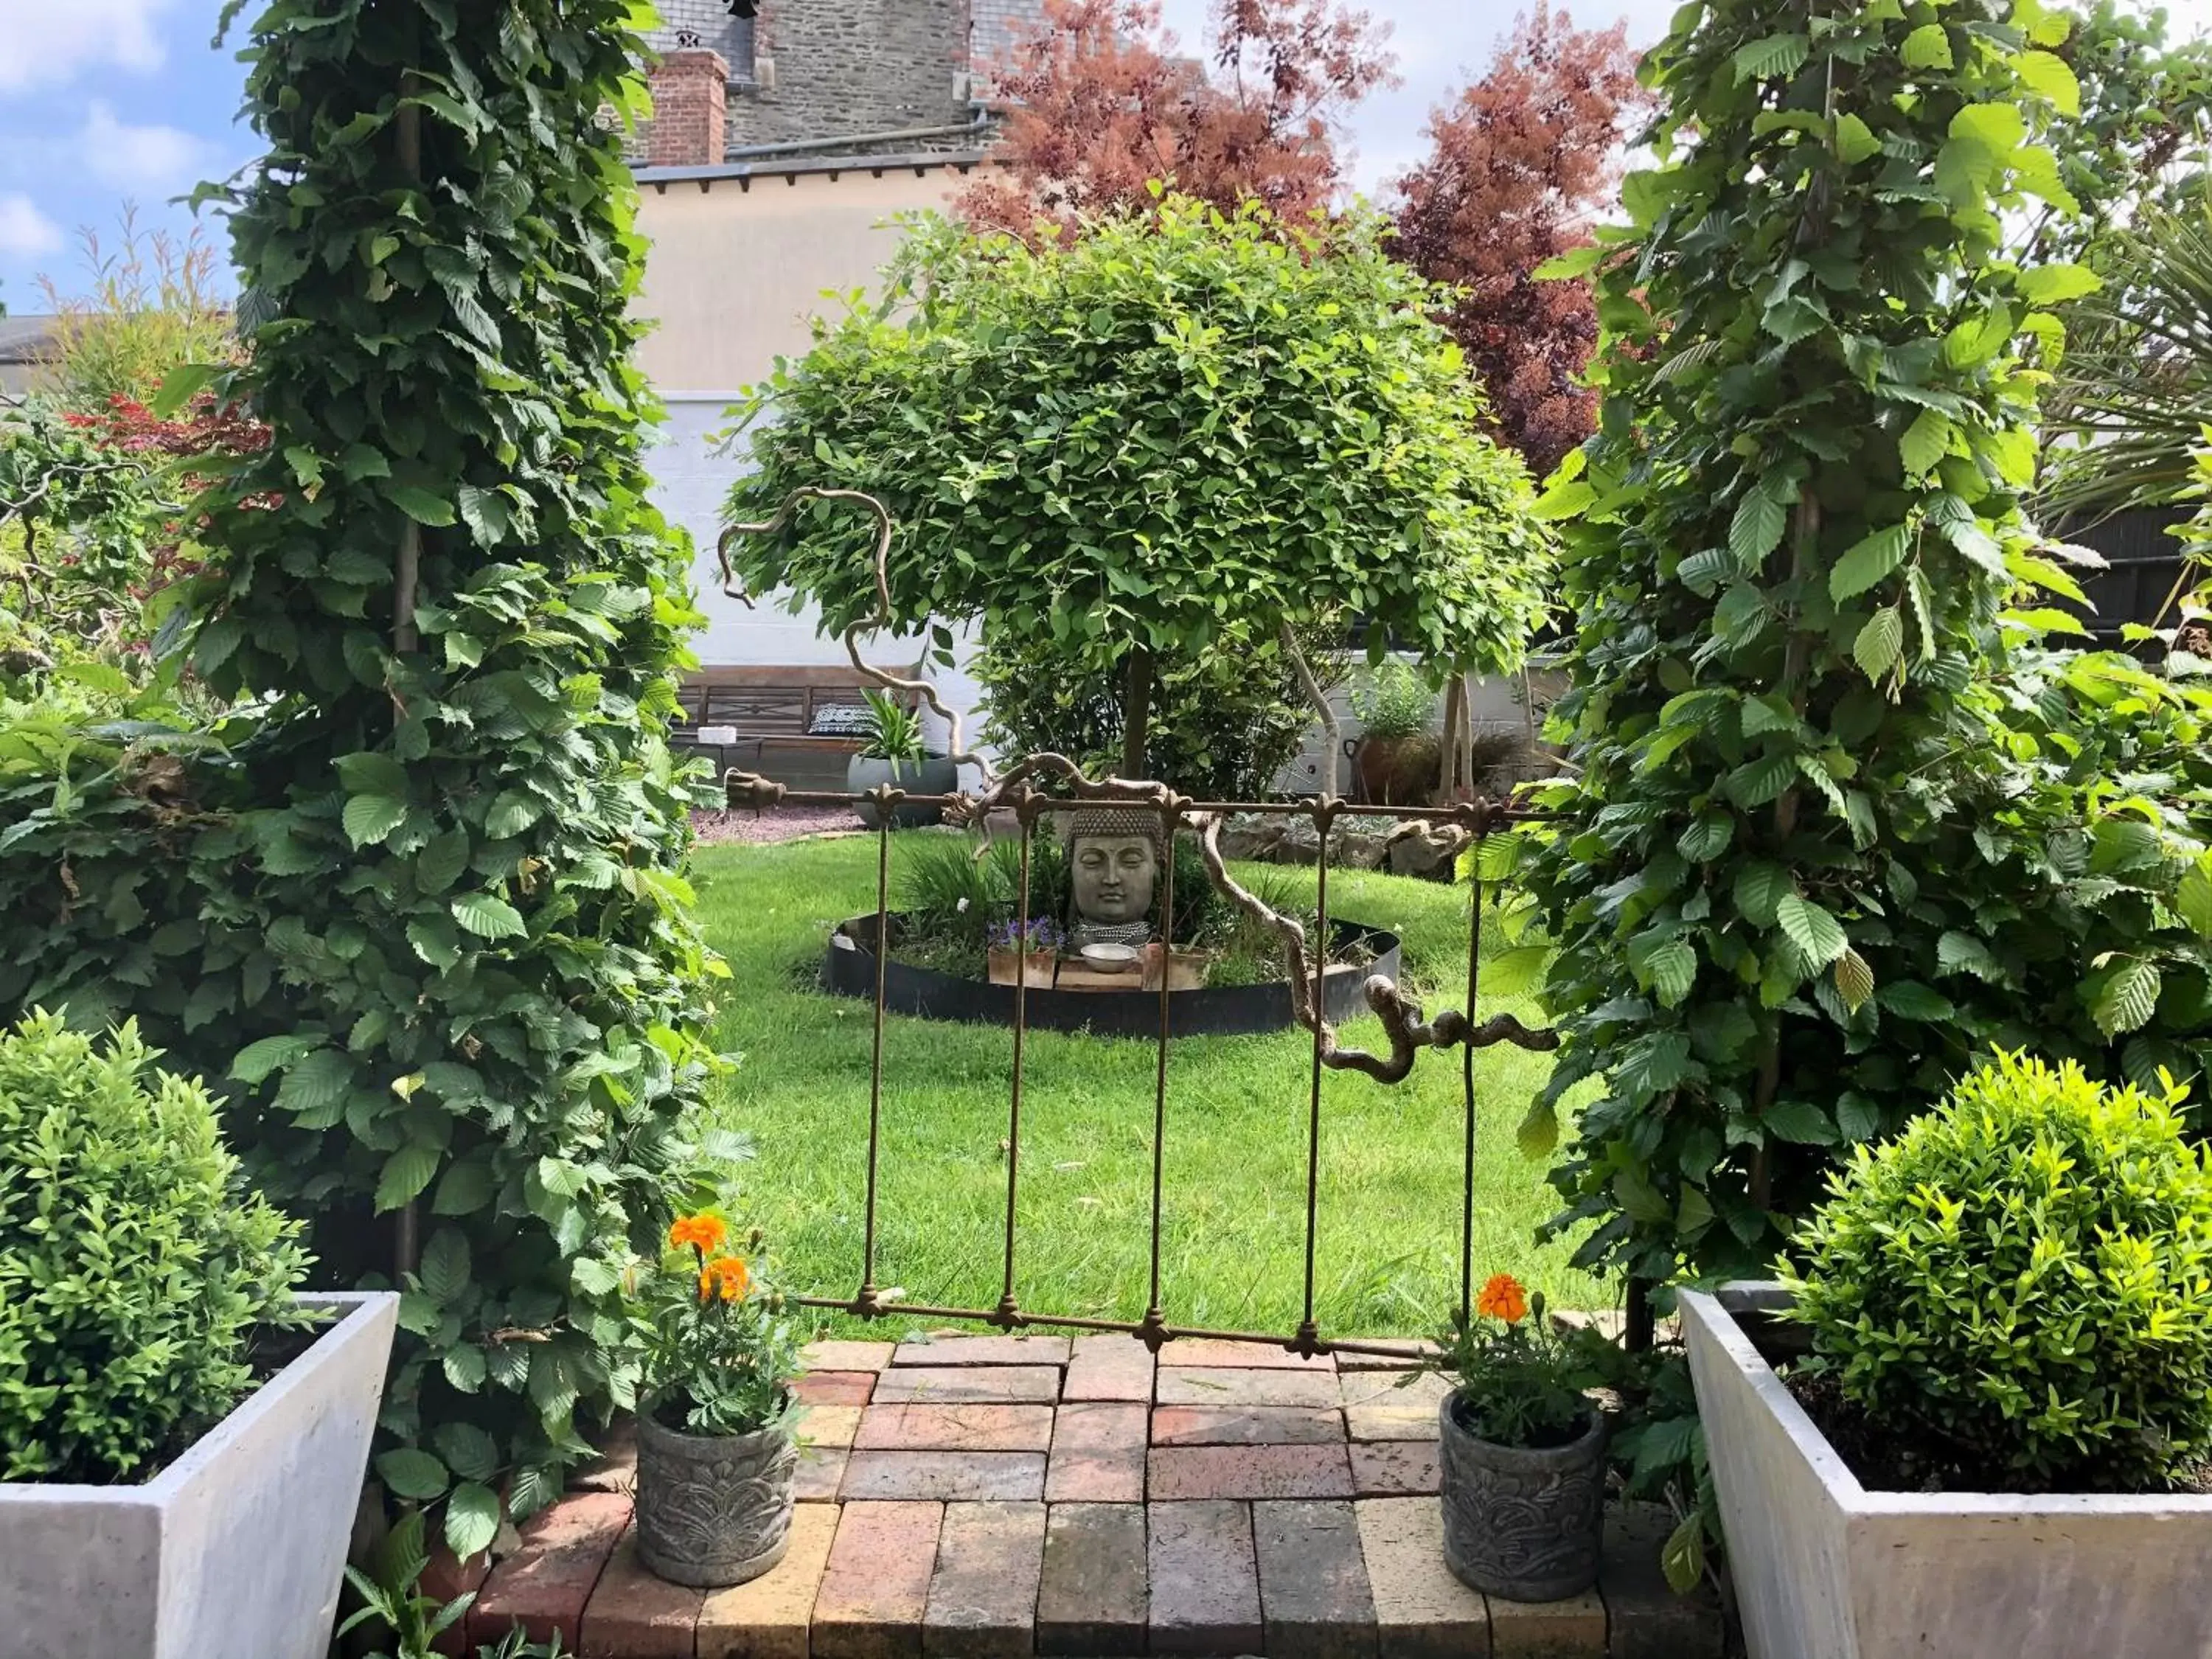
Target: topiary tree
449 908
1171 435
1795 540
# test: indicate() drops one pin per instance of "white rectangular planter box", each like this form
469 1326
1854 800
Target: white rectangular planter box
236 1550
1825 1569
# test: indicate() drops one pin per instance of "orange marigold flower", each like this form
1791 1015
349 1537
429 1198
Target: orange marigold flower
1502 1297
703 1233
731 1274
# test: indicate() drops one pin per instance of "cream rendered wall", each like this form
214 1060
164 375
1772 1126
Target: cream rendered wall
733 273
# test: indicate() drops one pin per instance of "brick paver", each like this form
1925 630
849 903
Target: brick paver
979 1384
821 1472
1106 1366
1246 1426
846 1356
1391 1422
544 1585
1314 1598
1394 1468
1205 1585
1092 1596
634 1615
1178 1472
943 1475
834 1388
1426 1388
982 1597
1212 1385
876 1587
1401 1355
829 1425
1206 1350
1571 1629
981 1351
955 1428
1098 1454
1421 1611
768 1618
1644 1618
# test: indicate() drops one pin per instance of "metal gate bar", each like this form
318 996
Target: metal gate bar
1027 804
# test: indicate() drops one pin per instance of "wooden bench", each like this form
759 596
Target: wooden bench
770 711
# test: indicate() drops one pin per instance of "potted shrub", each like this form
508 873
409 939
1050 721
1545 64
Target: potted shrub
1397 753
1996 1438
1524 1450
892 752
715 1455
1032 957
180 1453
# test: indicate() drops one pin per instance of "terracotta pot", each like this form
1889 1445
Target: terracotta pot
1521 1523
1037 967
713 1510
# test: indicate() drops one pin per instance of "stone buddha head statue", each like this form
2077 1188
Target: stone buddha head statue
1114 869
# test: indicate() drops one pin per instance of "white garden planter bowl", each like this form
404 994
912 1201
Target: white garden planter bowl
1825 1569
234 1551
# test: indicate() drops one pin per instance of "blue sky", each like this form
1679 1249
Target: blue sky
108 101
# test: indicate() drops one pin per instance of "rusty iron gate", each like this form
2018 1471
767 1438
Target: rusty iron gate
1402 1021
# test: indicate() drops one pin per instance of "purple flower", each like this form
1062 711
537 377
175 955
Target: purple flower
1043 935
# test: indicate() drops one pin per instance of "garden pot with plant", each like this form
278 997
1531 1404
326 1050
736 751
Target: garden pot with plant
1397 754
715 1455
892 752
1523 1450
1990 1432
182 1436
1032 958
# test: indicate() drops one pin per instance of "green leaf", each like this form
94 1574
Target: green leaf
1879 642
468 1452
489 916
442 860
422 506
255 1061
1925 442
1975 341
1708 836
1566 499
445 1269
1854 979
1927 47
464 1368
1672 970
1870 559
2052 285
2049 77
1957 952
410 1472
1760 887
465 1188
1755 530
2192 897
1682 1557
1856 1116
406 1173
1776 55
435 940
2128 998
370 818
1575 262
1799 1120
371 772
510 814
1811 928
1538 1132
1855 140
472 1519
1908 998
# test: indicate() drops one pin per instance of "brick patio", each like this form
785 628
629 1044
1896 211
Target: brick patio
1007 1496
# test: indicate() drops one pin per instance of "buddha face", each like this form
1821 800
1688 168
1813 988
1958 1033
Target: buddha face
1114 876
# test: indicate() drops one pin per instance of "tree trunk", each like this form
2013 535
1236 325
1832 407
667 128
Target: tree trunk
1136 711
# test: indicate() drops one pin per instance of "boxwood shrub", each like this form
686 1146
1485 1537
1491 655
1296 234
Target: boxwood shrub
133 1269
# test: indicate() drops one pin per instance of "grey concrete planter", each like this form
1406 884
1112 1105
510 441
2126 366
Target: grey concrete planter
1522 1523
935 775
713 1510
1825 1569
238 1547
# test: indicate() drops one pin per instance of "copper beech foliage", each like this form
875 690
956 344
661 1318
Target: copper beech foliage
1101 102
1520 163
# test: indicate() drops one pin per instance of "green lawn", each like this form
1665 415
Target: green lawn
1232 1253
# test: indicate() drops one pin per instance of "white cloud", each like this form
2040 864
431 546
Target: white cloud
149 161
24 231
47 42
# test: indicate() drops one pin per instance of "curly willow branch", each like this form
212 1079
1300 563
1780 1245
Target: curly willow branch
1399 1014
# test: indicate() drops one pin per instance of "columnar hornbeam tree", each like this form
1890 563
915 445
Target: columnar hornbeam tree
460 872
1794 542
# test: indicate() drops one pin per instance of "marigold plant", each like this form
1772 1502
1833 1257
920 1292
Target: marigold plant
2021 1282
721 1348
1521 1379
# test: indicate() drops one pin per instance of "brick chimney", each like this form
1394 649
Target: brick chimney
689 87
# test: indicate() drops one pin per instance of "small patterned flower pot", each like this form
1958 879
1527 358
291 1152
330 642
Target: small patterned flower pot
713 1510
1523 1524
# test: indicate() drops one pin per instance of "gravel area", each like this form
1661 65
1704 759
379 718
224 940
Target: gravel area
783 823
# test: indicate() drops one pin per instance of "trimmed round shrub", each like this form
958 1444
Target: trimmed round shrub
132 1267
2023 1279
